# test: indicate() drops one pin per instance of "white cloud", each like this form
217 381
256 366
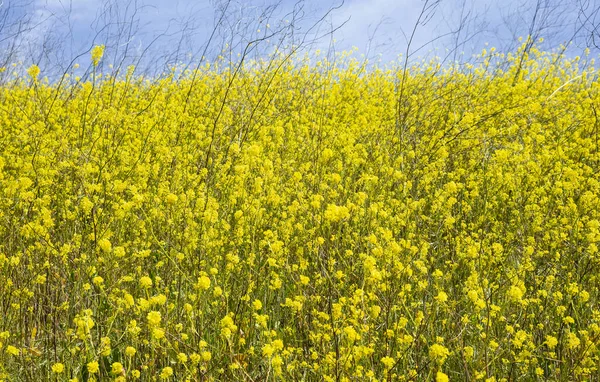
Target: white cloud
382 26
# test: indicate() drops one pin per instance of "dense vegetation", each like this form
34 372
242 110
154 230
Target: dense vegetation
297 220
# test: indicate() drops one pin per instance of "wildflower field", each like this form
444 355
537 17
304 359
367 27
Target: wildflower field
303 220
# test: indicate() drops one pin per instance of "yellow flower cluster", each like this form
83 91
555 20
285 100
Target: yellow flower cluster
303 220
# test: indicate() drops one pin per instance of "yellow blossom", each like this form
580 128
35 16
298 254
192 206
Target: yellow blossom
58 368
438 353
92 367
166 373
97 53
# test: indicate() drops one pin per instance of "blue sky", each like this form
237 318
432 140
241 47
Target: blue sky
377 28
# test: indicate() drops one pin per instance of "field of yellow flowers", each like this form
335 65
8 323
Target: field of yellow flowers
289 220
